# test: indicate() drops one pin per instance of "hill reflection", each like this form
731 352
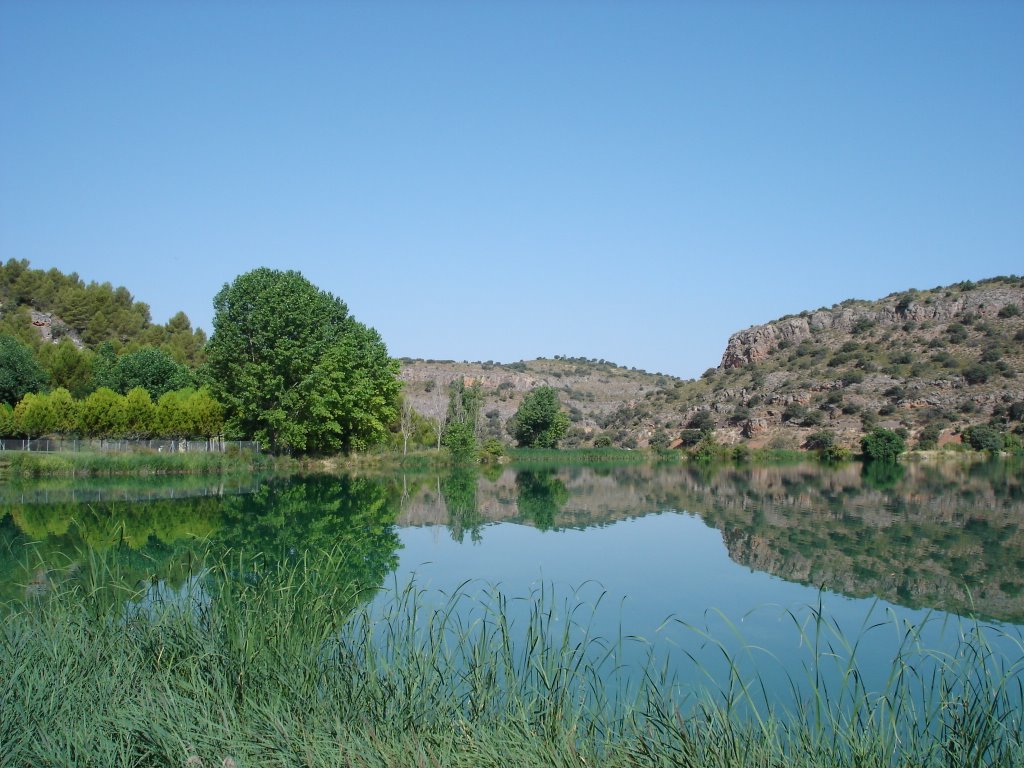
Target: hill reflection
941 536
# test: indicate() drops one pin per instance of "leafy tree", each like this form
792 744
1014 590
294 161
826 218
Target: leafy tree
103 414
463 413
281 358
882 445
67 366
983 437
34 416
539 422
460 441
104 367
19 371
353 394
7 425
173 418
65 411
140 413
152 369
205 413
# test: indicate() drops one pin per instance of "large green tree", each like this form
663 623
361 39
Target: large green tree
19 371
294 370
540 421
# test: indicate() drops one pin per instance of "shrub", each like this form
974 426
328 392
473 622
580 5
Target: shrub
1010 310
836 454
702 420
882 445
928 438
821 440
794 412
976 374
852 377
983 437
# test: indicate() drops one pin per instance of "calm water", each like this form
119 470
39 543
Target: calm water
675 560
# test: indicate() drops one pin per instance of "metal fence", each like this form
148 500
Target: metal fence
49 445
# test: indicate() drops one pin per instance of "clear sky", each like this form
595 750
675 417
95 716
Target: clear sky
632 181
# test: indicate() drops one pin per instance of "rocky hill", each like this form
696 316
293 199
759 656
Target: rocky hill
932 362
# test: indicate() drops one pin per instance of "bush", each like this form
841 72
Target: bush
882 445
928 438
983 437
852 377
976 374
702 421
1010 310
821 440
836 454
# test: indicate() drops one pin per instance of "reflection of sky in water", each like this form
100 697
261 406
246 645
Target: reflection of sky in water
656 574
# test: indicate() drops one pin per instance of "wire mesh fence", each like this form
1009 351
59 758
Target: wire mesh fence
48 445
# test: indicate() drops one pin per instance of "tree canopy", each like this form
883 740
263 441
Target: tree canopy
540 421
19 371
294 370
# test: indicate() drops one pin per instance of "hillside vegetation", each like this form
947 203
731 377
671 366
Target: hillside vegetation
931 362
43 307
940 366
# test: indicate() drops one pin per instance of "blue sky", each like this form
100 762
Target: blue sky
497 180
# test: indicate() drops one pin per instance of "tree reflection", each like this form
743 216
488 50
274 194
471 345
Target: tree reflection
541 496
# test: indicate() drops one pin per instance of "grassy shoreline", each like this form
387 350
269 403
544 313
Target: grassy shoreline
276 664
26 464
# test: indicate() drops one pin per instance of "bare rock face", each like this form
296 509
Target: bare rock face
756 343
755 427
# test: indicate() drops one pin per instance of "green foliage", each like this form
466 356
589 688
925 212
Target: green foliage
539 422
821 440
98 312
33 415
294 371
102 414
1010 310
836 454
150 368
703 421
7 423
492 451
983 437
541 496
707 449
65 411
139 414
460 441
882 445
977 374
928 438
67 366
20 373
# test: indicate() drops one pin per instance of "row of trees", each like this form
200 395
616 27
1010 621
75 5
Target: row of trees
106 414
286 365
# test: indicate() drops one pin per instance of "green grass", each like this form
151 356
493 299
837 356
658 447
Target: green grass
521 456
271 664
87 463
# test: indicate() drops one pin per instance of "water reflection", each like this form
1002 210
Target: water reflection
939 536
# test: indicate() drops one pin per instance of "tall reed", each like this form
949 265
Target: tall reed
263 661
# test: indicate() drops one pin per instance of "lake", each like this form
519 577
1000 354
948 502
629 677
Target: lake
780 566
